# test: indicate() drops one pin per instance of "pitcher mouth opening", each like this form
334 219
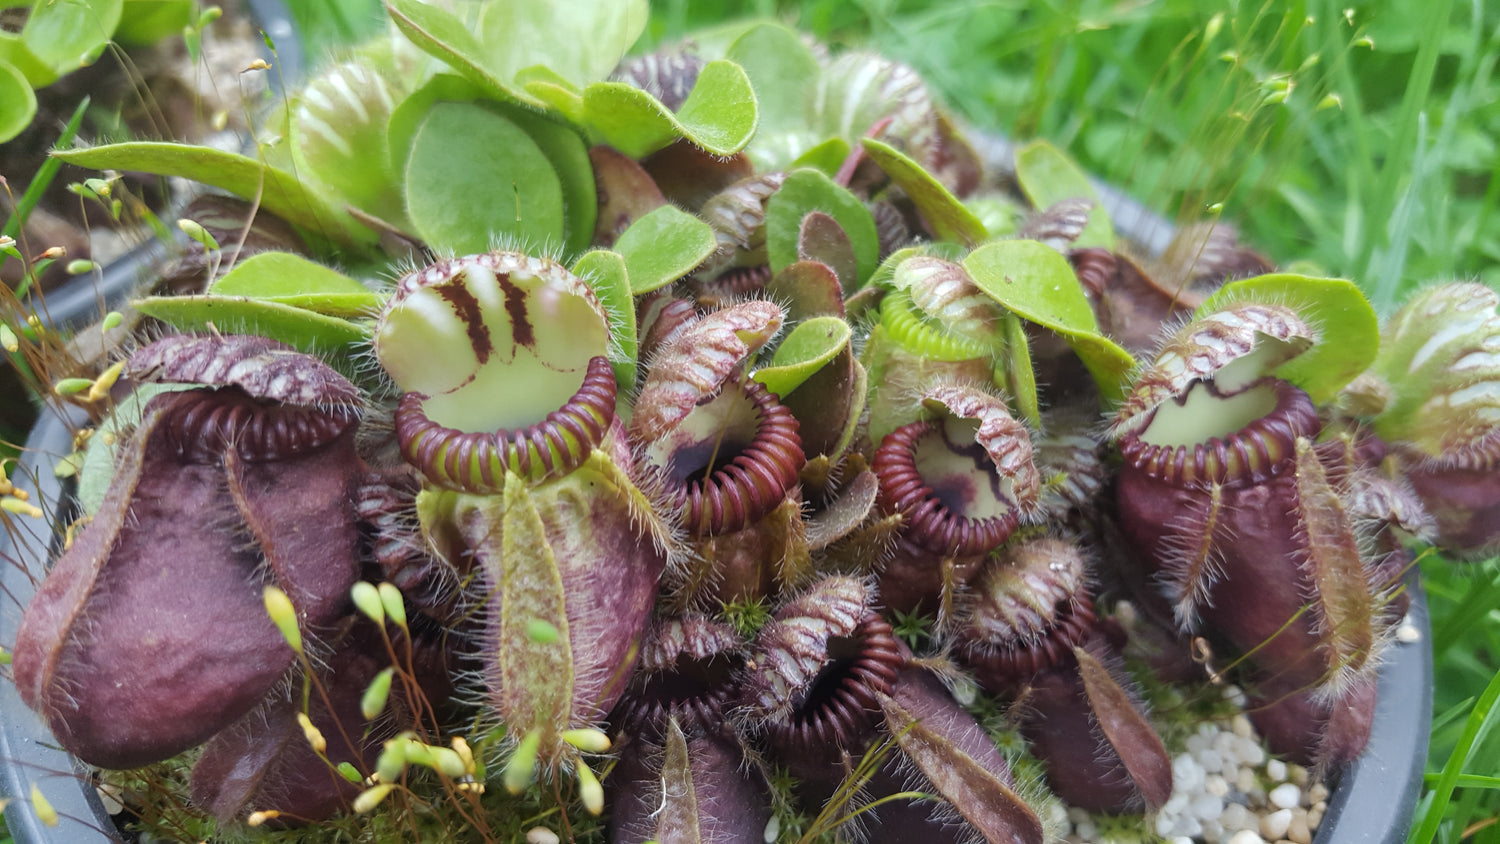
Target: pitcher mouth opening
1210 436
943 482
731 461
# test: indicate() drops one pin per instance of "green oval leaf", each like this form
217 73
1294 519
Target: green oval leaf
17 101
944 213
663 246
807 349
569 158
783 72
460 193
607 274
1036 282
580 41
447 38
278 191
68 35
719 114
1348 329
1047 176
308 331
803 192
827 156
144 22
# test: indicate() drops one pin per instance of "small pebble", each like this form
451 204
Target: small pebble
1176 803
1275 825
1251 753
1187 774
541 835
1317 793
1245 836
1315 815
1244 781
1181 839
1211 761
1242 727
1207 806
1216 785
1188 827
1077 815
1086 830
1212 830
1236 818
1285 796
1298 774
1165 823
1298 830
1276 770
1408 633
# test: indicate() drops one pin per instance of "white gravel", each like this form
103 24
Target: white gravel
1226 789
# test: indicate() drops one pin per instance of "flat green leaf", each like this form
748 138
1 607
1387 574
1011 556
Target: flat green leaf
460 194
283 274
66 34
581 40
279 192
663 246
303 329
1349 331
607 274
555 91
17 101
944 213
293 280
144 22
14 51
1020 374
569 158
1047 176
808 348
719 114
827 156
1034 281
808 190
447 38
783 72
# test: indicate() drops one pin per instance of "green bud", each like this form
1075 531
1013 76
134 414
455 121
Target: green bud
371 797
283 615
374 698
367 600
521 768
395 606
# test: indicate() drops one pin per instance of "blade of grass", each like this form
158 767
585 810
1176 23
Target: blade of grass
1442 791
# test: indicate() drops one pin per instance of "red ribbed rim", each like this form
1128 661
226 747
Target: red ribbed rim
755 482
1254 453
202 424
477 462
848 713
